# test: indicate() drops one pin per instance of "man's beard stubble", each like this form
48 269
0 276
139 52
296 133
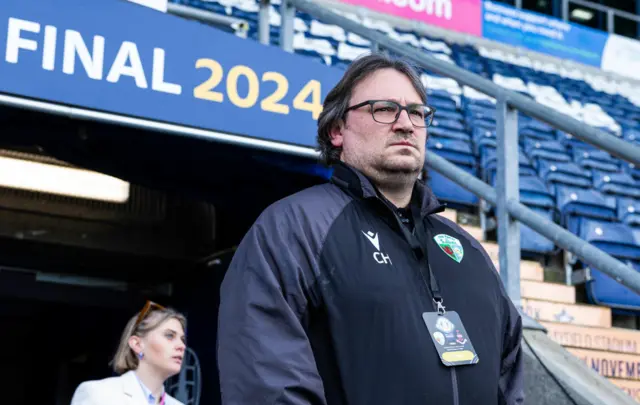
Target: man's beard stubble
392 177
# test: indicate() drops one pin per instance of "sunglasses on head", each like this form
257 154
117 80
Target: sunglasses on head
149 306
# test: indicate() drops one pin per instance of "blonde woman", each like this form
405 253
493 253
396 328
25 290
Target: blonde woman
151 351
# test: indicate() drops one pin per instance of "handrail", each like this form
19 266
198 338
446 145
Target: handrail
205 16
620 272
580 130
509 209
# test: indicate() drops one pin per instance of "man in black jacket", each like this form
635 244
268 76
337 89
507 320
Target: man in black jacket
356 292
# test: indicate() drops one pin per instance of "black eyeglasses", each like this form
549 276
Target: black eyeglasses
388 112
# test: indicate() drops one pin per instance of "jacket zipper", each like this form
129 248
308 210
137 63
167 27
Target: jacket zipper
454 375
454 382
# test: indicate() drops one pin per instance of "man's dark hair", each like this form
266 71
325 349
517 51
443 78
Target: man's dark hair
337 101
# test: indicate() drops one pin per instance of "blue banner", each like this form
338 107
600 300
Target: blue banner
119 57
542 33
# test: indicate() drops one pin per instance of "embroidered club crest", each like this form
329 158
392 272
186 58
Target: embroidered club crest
451 246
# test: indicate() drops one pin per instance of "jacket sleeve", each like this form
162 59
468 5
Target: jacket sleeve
512 369
264 355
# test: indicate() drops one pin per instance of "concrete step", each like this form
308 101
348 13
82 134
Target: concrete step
611 365
529 270
576 314
548 291
632 388
450 214
591 338
474 231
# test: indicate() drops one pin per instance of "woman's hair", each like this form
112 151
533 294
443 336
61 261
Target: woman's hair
125 358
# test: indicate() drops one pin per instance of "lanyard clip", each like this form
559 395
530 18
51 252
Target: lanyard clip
440 307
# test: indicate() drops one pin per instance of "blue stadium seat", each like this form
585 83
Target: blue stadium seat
450 115
449 133
533 192
535 129
489 164
442 102
595 159
535 195
448 191
480 112
441 122
629 211
620 241
460 153
615 238
572 143
482 139
605 291
456 151
632 135
618 184
562 174
632 170
547 150
576 203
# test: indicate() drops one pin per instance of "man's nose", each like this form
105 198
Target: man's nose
404 122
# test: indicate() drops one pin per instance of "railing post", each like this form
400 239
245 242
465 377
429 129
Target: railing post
565 10
263 22
288 12
610 21
508 189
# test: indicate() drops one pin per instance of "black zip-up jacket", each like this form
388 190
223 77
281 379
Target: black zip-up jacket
323 302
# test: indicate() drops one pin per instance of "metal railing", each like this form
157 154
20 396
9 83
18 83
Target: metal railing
506 197
610 12
219 21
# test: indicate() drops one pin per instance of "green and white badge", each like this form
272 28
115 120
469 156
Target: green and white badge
451 246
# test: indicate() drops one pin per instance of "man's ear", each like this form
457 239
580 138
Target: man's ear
336 134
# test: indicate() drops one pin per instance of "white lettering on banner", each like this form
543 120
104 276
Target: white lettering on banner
14 40
126 63
128 53
74 45
439 8
157 76
49 49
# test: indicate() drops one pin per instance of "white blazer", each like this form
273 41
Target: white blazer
121 390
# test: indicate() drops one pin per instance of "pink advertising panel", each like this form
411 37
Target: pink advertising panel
455 15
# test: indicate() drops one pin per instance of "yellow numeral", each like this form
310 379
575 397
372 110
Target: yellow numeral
282 86
312 88
203 90
232 86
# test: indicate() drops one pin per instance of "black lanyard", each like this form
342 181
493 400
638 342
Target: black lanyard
418 241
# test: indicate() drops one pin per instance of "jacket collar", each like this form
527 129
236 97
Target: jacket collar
132 388
357 184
